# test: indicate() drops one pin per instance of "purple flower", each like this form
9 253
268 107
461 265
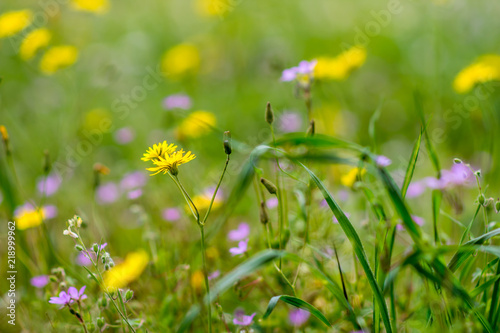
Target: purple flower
241 233
417 219
77 295
209 192
177 101
63 299
49 212
132 195
298 317
304 68
242 248
241 319
107 193
83 260
124 135
133 180
271 203
290 122
214 275
49 185
171 214
415 189
39 281
383 161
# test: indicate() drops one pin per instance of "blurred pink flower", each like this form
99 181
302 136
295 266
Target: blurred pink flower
107 193
214 275
383 161
133 180
39 281
298 317
271 203
49 185
177 101
241 233
171 214
124 135
290 122
241 319
240 249
304 68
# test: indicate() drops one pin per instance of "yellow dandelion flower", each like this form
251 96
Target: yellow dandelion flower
29 217
202 202
339 67
196 124
352 176
485 68
15 21
170 162
197 280
129 270
181 60
97 119
213 7
33 42
58 57
159 150
93 6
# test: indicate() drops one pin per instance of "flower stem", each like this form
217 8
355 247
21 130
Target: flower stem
205 273
215 192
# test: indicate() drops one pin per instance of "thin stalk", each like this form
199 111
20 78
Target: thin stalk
215 192
186 196
205 273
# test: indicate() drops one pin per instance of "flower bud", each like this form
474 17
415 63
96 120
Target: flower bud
5 138
46 162
52 278
478 173
481 199
311 130
95 247
128 295
106 267
227 143
271 188
497 206
100 322
63 285
457 161
264 218
269 114
104 302
78 247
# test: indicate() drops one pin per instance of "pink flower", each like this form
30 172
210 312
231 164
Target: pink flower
63 299
298 317
290 122
240 249
171 214
178 101
383 161
124 135
107 193
77 295
304 68
39 281
241 233
132 195
214 275
241 319
133 180
271 203
49 185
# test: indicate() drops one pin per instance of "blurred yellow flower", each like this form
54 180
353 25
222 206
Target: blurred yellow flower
4 133
170 162
485 68
94 6
14 21
197 280
129 270
196 124
29 217
159 150
203 201
213 7
181 60
339 67
58 57
352 176
97 119
33 42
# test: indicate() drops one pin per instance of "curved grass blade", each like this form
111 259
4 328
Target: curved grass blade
467 249
249 266
353 237
411 165
316 141
297 302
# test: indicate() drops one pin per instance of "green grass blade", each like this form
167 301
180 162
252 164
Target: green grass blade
436 206
467 249
411 165
428 143
353 237
297 302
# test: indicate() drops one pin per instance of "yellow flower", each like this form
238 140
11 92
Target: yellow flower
170 162
97 119
197 280
94 6
127 271
196 124
485 68
339 67
181 60
58 57
352 176
213 7
29 217
159 150
33 42
15 21
4 133
203 201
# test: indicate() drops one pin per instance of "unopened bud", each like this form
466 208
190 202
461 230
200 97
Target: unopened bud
478 173
457 161
63 285
95 247
269 114
264 218
311 130
100 168
104 302
227 143
5 138
481 199
100 322
128 295
106 267
271 188
52 278
46 162
497 206
78 247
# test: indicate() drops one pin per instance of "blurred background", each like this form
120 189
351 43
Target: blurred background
104 99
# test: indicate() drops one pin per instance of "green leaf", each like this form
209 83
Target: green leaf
411 165
467 249
297 302
353 237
